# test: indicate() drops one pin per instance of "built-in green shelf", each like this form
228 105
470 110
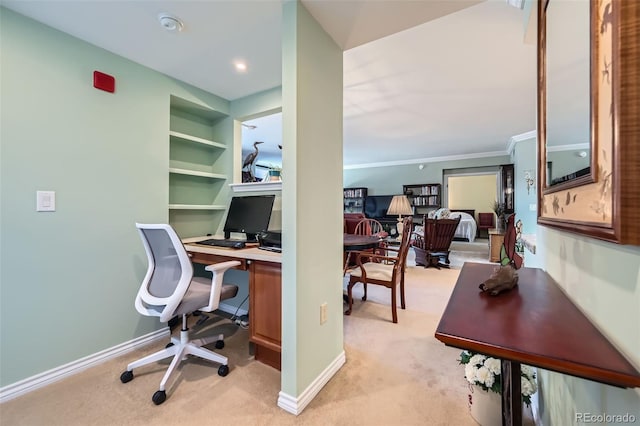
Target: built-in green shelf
195 139
196 207
197 173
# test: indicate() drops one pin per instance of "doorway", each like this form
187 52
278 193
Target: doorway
476 190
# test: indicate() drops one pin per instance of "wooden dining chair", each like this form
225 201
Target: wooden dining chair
368 227
384 270
486 221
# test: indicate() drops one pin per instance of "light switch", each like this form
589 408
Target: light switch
45 201
532 207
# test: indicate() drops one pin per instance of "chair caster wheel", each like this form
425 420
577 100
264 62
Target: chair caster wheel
219 344
223 370
169 345
159 397
127 376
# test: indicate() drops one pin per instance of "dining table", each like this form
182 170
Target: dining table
354 242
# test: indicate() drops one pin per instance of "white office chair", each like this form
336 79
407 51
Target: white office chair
168 290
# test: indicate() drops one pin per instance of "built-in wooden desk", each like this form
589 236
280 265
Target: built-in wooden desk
536 324
265 293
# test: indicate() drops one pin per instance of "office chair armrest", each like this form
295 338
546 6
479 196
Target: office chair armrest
222 266
218 270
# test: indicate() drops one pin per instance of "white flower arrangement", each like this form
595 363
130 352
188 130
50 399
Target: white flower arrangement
484 371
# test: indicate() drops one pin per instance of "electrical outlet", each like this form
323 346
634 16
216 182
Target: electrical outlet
323 313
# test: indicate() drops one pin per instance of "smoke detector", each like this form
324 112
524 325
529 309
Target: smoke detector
170 23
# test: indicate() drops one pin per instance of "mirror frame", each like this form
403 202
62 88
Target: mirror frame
606 203
542 102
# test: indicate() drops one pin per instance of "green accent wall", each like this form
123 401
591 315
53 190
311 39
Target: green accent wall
69 277
311 199
603 280
524 159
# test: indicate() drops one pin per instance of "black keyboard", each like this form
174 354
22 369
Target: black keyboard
236 244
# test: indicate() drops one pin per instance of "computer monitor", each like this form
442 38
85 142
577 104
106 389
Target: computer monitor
249 215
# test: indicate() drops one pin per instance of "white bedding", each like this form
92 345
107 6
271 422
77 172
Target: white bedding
467 227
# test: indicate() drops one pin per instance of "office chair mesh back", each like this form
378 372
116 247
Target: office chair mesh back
168 267
169 276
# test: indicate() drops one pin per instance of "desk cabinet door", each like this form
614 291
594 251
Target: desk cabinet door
265 299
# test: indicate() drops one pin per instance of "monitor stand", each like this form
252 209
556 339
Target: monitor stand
249 238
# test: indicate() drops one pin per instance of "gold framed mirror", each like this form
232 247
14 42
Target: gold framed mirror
604 201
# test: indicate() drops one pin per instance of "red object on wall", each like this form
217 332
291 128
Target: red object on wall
104 81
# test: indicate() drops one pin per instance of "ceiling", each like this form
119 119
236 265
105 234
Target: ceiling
422 79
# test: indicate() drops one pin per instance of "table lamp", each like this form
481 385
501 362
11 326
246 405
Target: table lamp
400 205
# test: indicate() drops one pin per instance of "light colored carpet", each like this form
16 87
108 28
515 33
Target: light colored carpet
462 251
395 374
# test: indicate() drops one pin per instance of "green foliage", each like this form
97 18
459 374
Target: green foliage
504 258
498 209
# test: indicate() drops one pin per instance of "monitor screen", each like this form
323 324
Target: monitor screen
249 215
376 206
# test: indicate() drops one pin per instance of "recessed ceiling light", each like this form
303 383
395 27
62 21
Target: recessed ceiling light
170 23
240 66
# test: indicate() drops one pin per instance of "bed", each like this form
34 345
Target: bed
468 227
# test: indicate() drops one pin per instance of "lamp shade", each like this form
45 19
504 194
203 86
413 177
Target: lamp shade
400 206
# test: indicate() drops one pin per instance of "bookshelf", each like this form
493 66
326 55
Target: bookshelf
423 197
354 200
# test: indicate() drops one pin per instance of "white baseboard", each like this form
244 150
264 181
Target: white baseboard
35 382
295 405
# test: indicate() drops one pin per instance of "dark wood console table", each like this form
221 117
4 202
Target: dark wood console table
535 324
